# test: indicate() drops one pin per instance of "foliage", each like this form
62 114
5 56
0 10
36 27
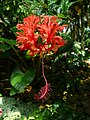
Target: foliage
13 11
20 80
9 43
63 69
15 109
19 110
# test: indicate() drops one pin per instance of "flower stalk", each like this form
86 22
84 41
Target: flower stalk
44 92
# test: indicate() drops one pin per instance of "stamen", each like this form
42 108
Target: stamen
44 92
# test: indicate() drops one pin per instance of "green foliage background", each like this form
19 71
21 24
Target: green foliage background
65 67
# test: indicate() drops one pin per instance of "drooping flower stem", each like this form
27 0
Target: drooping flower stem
46 87
44 92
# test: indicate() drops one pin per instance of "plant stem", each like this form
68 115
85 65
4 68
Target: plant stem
46 86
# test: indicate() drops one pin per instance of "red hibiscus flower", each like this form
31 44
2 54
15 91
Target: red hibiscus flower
40 34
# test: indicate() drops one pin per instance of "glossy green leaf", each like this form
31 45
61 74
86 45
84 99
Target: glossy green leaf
20 80
29 76
16 77
26 79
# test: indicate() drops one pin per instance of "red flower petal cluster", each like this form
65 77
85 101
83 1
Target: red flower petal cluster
39 34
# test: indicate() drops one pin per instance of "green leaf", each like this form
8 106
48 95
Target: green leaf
26 79
4 47
62 16
65 5
29 76
10 42
16 77
20 80
13 91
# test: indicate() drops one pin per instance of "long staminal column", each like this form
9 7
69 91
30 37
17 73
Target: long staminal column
44 92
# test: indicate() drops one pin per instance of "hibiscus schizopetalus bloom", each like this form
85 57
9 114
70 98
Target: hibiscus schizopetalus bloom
39 34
